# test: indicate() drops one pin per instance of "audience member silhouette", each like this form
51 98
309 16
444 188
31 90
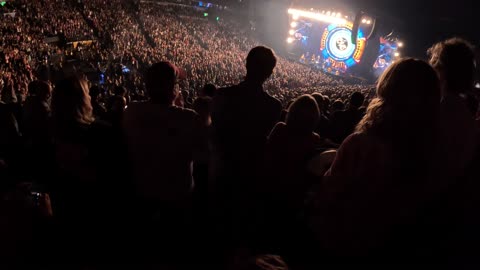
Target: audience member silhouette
376 187
323 126
99 110
88 181
286 180
344 122
243 116
454 61
37 128
163 140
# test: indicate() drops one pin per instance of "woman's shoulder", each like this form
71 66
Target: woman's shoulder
358 138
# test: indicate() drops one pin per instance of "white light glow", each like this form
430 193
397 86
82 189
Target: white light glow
397 54
294 24
339 15
291 32
289 40
369 22
316 16
295 16
364 21
400 44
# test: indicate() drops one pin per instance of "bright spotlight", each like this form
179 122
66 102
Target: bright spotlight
400 44
294 24
339 15
291 32
369 22
289 40
329 13
397 54
364 21
296 13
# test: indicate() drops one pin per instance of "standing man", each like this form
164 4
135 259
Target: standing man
242 118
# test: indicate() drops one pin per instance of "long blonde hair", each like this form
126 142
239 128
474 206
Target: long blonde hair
71 102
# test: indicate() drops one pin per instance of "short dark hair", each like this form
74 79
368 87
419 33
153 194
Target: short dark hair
120 90
260 63
39 88
454 59
209 90
357 99
160 82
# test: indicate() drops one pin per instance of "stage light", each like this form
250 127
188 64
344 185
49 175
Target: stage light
334 14
328 13
364 21
397 54
294 24
339 15
369 22
289 40
400 44
295 17
291 32
296 13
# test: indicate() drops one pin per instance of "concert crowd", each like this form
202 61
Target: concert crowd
144 133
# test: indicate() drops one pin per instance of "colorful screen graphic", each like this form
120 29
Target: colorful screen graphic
386 56
338 51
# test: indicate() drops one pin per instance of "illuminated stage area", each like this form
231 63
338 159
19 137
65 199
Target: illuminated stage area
342 44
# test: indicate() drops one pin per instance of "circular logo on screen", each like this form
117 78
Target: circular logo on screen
339 44
342 44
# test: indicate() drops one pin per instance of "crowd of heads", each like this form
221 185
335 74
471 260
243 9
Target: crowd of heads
197 134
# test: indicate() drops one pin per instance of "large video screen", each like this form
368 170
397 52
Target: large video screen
387 54
327 46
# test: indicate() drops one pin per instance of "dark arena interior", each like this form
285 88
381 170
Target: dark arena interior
239 134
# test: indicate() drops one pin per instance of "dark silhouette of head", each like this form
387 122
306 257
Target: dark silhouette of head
202 106
356 100
454 61
303 115
40 89
208 90
160 80
120 91
260 64
338 105
408 98
319 99
71 102
95 92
